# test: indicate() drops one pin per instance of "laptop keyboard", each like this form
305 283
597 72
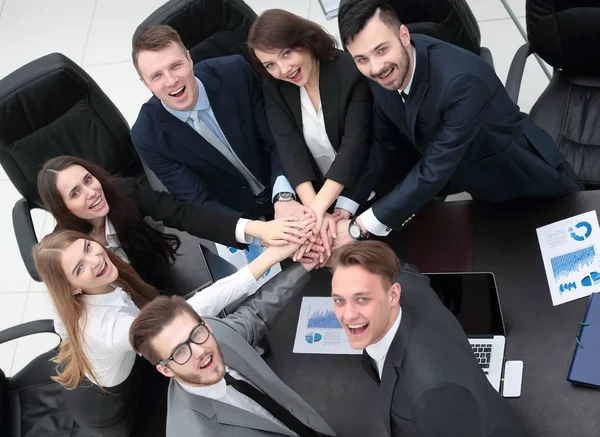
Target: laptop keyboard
483 353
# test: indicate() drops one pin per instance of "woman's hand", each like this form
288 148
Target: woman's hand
341 213
282 231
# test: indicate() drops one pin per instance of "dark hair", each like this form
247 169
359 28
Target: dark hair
154 37
374 256
144 245
353 16
152 320
279 29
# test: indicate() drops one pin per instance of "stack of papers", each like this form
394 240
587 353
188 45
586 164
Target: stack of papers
330 8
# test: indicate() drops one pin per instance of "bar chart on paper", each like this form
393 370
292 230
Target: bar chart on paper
319 331
570 252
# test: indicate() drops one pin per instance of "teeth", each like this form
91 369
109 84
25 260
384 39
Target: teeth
291 76
357 326
205 362
96 203
176 91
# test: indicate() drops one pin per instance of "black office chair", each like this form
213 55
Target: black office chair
208 28
31 404
449 20
566 35
51 107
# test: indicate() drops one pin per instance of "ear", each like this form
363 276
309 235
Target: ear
77 291
187 53
404 35
395 291
144 82
164 370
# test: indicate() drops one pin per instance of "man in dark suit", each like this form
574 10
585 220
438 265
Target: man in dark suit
430 382
204 133
451 105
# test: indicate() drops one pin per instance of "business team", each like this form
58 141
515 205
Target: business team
305 145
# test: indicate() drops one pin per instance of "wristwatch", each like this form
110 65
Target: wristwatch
355 231
284 197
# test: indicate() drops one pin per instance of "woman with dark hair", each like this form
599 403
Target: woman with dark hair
84 197
319 109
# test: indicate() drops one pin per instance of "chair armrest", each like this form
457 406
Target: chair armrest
515 73
25 233
28 328
486 55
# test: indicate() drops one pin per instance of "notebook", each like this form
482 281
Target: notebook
585 369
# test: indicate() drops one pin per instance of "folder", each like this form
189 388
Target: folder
585 366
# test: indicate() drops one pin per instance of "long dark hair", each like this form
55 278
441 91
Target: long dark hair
279 29
146 247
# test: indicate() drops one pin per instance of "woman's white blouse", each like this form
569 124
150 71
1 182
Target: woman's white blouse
109 317
315 135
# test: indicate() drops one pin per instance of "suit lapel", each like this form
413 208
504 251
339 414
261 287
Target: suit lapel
418 88
188 138
393 361
329 90
230 415
367 363
291 96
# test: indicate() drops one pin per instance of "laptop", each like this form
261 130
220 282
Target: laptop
473 299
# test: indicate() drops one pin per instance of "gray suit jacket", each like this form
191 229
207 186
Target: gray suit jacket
194 416
431 384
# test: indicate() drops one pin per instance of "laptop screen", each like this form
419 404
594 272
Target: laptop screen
473 299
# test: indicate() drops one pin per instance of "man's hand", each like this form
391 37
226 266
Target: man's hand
341 213
343 237
282 231
292 208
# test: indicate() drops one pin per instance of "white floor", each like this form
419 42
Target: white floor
97 35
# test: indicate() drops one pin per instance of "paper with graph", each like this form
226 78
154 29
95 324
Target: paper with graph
319 332
571 252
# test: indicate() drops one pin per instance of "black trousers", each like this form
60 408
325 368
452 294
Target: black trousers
113 411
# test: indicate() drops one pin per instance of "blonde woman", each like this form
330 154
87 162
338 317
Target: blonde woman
97 296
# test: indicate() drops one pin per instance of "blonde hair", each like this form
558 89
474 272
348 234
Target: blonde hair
73 364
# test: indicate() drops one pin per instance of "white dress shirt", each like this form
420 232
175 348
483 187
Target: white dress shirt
109 317
373 225
228 395
378 351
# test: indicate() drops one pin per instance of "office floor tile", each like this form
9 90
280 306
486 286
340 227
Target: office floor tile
30 29
494 9
12 306
112 29
298 7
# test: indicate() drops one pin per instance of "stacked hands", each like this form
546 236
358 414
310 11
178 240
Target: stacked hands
318 232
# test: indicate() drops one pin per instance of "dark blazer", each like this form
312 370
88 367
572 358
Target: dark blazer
431 384
189 166
347 107
469 133
201 221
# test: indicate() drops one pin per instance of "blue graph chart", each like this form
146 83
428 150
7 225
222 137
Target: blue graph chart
323 319
573 262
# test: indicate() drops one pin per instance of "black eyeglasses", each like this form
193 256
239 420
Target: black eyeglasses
183 352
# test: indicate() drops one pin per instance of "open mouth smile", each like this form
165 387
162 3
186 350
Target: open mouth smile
358 329
178 92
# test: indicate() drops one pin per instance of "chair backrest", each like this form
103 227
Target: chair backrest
208 28
566 34
449 20
52 107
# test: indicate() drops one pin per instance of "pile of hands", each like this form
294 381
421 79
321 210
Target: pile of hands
317 232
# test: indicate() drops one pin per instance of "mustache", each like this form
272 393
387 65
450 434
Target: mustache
385 69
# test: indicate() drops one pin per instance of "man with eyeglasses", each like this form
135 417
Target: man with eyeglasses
220 385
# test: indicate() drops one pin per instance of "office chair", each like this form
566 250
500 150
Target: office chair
31 403
565 34
448 20
208 28
52 107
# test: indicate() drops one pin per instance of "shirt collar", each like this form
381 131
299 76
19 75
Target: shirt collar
215 391
116 297
109 229
412 76
379 350
201 104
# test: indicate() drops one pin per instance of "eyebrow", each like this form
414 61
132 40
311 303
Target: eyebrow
77 265
359 294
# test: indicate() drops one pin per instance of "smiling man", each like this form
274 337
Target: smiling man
453 108
220 386
204 133
415 349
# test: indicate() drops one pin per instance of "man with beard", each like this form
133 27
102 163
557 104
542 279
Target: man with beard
451 105
220 385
